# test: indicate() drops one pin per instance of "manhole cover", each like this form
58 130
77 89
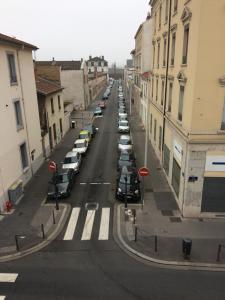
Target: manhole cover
175 219
167 212
91 206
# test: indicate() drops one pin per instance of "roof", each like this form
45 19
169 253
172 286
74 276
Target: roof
139 29
64 64
46 87
97 58
5 39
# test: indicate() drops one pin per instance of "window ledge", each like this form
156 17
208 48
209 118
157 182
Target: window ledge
164 67
20 127
221 132
171 66
183 65
13 83
179 122
174 13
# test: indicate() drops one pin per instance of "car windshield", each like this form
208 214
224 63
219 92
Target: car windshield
131 178
62 178
124 156
125 142
98 109
70 160
79 145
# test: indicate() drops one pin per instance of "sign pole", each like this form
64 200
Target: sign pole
143 193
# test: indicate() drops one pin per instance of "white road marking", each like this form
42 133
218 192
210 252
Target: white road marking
88 225
83 183
104 226
106 182
72 224
95 183
2 297
8 277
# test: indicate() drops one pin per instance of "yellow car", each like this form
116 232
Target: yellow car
85 134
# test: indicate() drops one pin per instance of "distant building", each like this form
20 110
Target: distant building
97 64
73 78
20 134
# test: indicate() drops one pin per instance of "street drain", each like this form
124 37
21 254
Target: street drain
91 206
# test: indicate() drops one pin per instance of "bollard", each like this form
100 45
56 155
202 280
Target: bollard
17 243
53 217
219 252
135 233
156 243
43 231
134 216
186 247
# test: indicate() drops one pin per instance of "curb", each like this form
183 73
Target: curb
185 265
49 239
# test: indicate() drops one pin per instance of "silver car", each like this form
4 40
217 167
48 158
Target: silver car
125 143
72 161
123 127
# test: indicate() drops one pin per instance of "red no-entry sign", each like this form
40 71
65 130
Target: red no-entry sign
52 166
143 172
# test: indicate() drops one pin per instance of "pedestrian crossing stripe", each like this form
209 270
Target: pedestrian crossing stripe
88 225
7 277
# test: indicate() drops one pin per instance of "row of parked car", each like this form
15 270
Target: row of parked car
102 104
62 182
128 183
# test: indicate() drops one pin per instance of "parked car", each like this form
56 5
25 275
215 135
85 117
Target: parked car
125 143
126 158
85 134
128 185
122 118
121 105
105 96
72 161
122 114
63 182
121 110
123 127
81 146
98 111
102 104
91 128
120 95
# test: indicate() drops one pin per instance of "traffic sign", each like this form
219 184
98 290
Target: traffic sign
143 172
52 166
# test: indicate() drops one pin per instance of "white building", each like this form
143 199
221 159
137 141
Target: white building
20 135
97 64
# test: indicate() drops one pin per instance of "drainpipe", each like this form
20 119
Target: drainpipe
166 79
24 109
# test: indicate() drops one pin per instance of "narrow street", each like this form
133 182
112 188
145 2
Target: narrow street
86 266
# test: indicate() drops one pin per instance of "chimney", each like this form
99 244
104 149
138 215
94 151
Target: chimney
53 61
90 57
103 57
148 16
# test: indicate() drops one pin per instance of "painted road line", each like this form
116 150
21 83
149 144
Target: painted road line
2 297
88 225
106 182
72 224
104 226
95 183
8 277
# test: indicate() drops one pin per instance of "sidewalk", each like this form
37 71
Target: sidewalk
32 211
160 219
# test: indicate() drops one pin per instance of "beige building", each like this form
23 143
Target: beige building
73 77
96 82
51 112
20 134
187 111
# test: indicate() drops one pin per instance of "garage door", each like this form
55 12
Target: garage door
213 196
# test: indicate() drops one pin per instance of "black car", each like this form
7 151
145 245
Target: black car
126 159
128 185
64 182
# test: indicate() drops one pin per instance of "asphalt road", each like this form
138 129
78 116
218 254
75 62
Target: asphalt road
98 269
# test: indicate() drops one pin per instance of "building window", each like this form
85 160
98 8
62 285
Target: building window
185 44
166 11
170 96
157 85
151 123
153 56
54 131
12 68
181 103
223 117
155 24
173 48
175 4
158 55
160 14
18 113
176 177
166 158
155 125
160 137
60 125
164 52
23 154
152 87
59 102
52 106
162 93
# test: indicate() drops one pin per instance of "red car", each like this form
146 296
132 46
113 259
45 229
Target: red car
102 104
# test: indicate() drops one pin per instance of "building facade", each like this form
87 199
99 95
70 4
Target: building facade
97 64
21 150
187 101
51 112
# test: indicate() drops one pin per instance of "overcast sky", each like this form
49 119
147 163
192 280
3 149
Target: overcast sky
71 29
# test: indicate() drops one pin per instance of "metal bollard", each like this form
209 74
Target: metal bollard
156 243
134 216
17 243
219 252
43 231
53 217
135 233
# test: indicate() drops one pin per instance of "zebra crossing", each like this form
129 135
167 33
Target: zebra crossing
7 278
88 224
